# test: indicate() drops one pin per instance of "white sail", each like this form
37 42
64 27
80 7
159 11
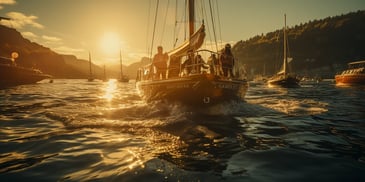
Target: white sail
194 43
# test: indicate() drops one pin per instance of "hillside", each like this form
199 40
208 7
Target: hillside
34 55
318 48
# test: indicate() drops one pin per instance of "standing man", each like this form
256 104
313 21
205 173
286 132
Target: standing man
160 63
227 61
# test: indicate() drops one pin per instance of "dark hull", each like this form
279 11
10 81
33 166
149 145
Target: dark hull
284 81
124 79
194 90
15 75
350 79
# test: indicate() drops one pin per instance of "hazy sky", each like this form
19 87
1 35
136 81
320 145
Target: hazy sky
104 26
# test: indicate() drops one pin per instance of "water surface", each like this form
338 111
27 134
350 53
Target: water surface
74 130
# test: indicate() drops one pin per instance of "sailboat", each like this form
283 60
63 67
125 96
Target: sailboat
91 77
199 87
104 73
284 78
123 78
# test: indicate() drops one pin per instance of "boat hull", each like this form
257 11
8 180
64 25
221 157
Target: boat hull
124 79
194 90
358 79
13 75
288 81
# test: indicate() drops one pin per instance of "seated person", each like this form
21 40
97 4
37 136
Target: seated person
187 66
199 64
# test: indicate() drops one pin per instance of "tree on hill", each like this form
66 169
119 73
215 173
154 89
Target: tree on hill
317 44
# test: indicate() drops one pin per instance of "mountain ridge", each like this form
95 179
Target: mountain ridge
318 47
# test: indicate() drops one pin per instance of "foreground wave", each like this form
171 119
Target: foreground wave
104 131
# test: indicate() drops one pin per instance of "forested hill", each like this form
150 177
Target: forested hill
34 55
318 48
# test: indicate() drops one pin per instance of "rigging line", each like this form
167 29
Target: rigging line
212 19
154 29
164 25
185 16
204 12
148 27
179 24
174 37
219 23
287 42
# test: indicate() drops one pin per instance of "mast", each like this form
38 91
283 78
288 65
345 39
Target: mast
285 54
191 17
90 65
121 65
104 73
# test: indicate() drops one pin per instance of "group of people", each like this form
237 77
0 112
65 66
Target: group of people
222 66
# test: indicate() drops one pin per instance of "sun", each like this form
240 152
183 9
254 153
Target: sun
110 43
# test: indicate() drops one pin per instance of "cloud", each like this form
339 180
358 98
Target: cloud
19 21
30 35
67 50
51 39
6 2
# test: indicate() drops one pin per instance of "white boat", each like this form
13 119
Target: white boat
284 77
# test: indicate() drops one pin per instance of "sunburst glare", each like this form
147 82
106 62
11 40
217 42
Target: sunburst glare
110 43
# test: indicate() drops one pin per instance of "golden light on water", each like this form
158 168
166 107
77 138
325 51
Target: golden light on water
110 90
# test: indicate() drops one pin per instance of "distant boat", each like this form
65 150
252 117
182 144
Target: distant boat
354 75
194 87
104 78
91 77
123 78
284 77
12 75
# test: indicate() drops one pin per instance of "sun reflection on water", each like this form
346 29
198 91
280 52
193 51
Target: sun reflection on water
110 90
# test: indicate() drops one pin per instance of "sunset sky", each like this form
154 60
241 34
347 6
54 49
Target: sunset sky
105 26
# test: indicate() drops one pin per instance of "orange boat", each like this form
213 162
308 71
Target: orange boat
355 74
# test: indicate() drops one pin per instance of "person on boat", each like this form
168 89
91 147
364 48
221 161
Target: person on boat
160 63
211 64
215 65
227 61
173 67
187 66
200 63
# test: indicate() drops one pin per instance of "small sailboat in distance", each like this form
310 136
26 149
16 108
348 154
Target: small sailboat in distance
91 77
104 77
123 78
284 78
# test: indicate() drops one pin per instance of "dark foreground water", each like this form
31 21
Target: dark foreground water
73 130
